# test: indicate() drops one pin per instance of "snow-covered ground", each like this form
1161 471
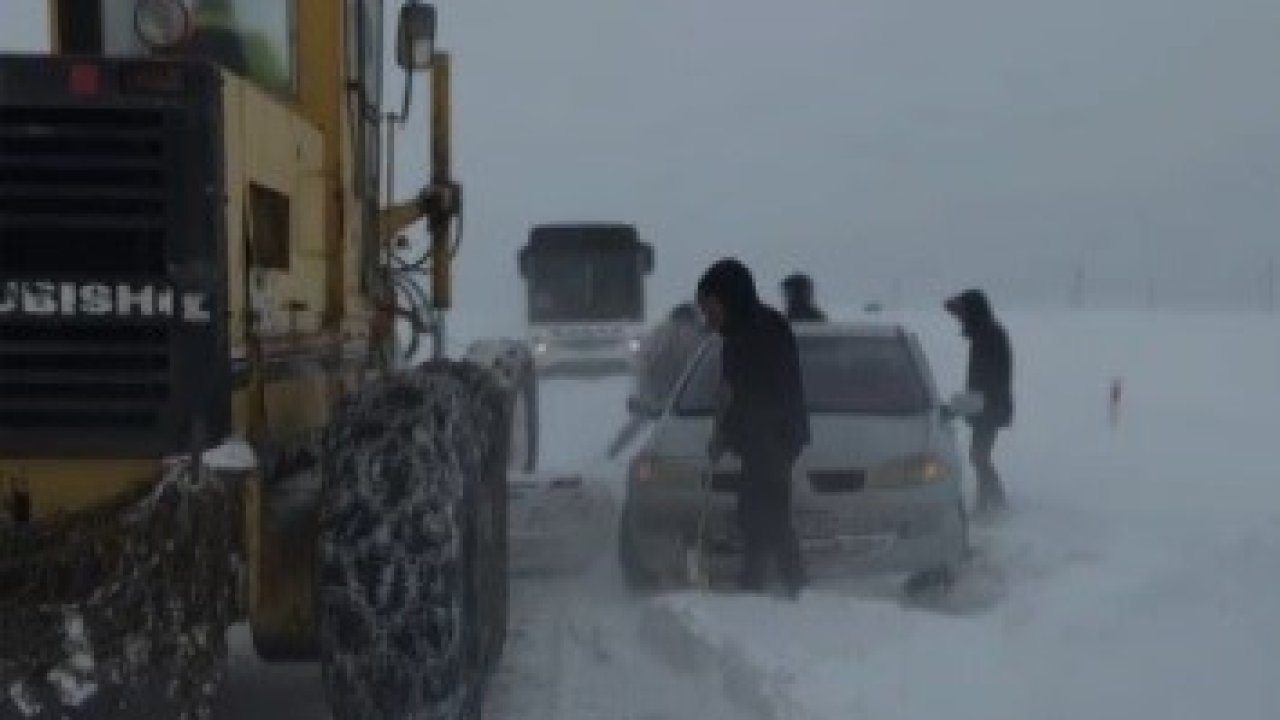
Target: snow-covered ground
1137 577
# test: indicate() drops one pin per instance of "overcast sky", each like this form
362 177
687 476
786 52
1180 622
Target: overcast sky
927 144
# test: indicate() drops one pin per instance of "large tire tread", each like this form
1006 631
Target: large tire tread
406 578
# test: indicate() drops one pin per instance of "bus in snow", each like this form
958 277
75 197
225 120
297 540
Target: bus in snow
586 295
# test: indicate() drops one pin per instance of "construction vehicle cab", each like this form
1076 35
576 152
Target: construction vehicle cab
199 261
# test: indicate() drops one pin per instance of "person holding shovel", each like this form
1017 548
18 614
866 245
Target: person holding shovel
764 420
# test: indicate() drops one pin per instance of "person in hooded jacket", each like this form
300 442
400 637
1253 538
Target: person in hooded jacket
762 420
990 372
797 294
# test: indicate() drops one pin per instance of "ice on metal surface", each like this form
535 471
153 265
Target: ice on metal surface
234 455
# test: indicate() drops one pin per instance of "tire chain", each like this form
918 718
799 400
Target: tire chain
397 461
121 610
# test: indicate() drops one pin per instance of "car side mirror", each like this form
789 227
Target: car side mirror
644 407
416 36
967 404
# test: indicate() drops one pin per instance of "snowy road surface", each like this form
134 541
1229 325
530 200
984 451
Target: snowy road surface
1138 576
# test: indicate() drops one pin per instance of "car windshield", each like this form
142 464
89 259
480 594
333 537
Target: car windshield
869 375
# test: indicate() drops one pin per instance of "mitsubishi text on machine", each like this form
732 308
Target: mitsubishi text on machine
37 299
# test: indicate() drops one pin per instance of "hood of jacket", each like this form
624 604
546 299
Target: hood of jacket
972 309
730 282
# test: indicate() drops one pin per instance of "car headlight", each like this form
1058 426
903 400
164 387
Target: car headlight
910 471
161 24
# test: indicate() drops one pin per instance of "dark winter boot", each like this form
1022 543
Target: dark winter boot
991 498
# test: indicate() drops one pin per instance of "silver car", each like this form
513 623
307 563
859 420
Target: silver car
878 488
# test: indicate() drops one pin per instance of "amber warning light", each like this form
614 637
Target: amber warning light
85 80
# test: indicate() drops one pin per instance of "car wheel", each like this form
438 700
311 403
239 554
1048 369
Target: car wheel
931 583
937 581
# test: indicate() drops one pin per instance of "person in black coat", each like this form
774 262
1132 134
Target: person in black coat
990 373
763 419
797 294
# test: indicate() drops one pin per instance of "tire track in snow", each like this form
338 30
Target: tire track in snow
533 657
583 648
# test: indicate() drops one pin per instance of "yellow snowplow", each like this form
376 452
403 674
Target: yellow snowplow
205 415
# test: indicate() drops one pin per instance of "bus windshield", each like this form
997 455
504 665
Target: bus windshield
568 285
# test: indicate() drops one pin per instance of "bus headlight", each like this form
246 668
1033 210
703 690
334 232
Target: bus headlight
161 24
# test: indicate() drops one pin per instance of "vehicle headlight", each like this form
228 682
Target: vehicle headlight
161 24
909 471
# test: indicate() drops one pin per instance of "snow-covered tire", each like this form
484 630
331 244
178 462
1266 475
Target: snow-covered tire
933 584
490 578
410 523
525 424
512 364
